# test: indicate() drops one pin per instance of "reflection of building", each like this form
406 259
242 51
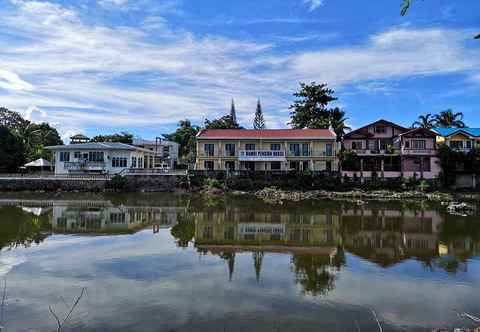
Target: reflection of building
390 236
111 219
271 230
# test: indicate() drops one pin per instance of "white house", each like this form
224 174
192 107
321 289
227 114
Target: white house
166 152
99 158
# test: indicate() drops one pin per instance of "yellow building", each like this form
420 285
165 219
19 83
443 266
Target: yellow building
267 150
459 139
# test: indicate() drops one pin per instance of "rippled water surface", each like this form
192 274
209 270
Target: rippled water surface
184 263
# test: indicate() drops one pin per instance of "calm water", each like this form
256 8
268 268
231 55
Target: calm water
172 263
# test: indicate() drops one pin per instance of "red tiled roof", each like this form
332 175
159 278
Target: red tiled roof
266 133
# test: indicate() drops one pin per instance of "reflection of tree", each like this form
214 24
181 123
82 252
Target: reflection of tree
229 257
184 230
21 229
314 274
257 262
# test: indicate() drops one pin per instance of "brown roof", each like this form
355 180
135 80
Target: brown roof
266 133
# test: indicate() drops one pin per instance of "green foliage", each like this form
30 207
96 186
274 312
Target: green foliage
310 110
211 183
259 121
448 119
118 182
122 137
12 151
224 122
426 121
185 135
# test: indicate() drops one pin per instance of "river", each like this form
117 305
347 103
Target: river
166 262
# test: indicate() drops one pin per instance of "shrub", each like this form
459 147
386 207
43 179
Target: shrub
118 182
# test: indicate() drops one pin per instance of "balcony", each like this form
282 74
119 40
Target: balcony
419 152
262 155
375 152
85 166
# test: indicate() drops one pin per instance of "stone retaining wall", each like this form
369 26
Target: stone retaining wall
134 183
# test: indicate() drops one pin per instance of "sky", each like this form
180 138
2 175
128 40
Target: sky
105 66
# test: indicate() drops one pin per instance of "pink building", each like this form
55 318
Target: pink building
390 151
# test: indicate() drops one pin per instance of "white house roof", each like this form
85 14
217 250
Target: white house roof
39 163
97 146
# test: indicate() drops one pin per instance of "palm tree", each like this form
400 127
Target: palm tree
426 121
337 120
448 119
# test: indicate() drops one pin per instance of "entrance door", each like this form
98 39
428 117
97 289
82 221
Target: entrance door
250 166
328 166
230 166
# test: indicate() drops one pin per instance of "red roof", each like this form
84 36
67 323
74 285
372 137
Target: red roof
266 133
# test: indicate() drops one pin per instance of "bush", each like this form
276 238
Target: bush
118 182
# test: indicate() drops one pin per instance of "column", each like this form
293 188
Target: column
361 170
382 168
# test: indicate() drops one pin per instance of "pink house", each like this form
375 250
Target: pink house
389 151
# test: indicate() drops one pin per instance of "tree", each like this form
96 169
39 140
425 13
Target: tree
259 121
406 5
224 122
122 137
12 150
185 136
233 112
310 109
13 121
448 119
426 121
42 135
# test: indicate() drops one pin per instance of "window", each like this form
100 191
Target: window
166 151
456 144
118 162
295 149
209 165
134 162
77 155
249 147
380 129
329 149
209 150
357 145
407 144
469 144
305 149
140 163
230 150
230 165
64 156
275 165
275 147
418 144
95 156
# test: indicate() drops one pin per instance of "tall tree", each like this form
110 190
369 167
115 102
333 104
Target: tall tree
259 121
122 137
448 119
224 122
406 5
185 136
426 121
310 107
233 112
12 151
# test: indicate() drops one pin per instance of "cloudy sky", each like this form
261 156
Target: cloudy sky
102 66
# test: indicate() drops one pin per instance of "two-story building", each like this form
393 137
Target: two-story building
389 151
166 152
267 150
99 158
459 139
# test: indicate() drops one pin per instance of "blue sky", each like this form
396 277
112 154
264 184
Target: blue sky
102 66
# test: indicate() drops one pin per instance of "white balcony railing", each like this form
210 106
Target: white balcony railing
261 155
85 165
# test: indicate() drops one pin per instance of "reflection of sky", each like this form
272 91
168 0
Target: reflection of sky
143 282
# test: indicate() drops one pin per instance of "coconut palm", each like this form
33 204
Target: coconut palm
426 121
338 122
448 119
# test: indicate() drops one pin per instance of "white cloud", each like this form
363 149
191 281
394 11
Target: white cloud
11 81
122 77
35 114
314 4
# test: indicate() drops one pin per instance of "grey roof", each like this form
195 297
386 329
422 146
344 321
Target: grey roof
140 141
97 146
39 163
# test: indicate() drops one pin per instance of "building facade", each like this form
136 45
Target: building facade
267 150
166 152
387 150
459 139
99 158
